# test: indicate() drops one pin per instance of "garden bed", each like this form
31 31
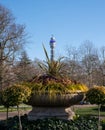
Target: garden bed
80 123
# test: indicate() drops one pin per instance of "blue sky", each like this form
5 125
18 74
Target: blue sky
70 21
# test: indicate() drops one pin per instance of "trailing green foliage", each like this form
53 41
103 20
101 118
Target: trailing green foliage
56 87
81 123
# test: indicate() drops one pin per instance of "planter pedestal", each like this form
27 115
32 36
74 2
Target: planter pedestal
50 112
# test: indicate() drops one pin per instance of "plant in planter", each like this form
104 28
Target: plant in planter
53 93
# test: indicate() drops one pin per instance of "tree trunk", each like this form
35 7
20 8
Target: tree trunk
1 76
7 113
99 116
20 125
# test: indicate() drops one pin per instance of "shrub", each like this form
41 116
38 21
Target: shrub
96 95
103 124
81 123
15 95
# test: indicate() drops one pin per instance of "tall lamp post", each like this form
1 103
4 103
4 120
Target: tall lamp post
52 46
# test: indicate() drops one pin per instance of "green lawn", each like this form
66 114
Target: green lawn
11 109
93 111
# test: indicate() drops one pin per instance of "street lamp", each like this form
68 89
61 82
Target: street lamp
52 46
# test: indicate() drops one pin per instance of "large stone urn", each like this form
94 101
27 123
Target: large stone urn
59 105
56 99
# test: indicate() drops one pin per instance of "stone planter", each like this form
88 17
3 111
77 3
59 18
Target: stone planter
59 106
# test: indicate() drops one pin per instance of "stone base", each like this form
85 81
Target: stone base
50 112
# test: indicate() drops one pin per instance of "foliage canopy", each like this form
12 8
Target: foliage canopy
15 95
96 95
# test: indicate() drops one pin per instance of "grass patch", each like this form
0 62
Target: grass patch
93 111
12 109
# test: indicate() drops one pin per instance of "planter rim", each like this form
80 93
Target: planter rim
58 92
46 99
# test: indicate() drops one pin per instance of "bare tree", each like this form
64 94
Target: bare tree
83 63
89 61
72 63
12 38
24 69
102 65
89 64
